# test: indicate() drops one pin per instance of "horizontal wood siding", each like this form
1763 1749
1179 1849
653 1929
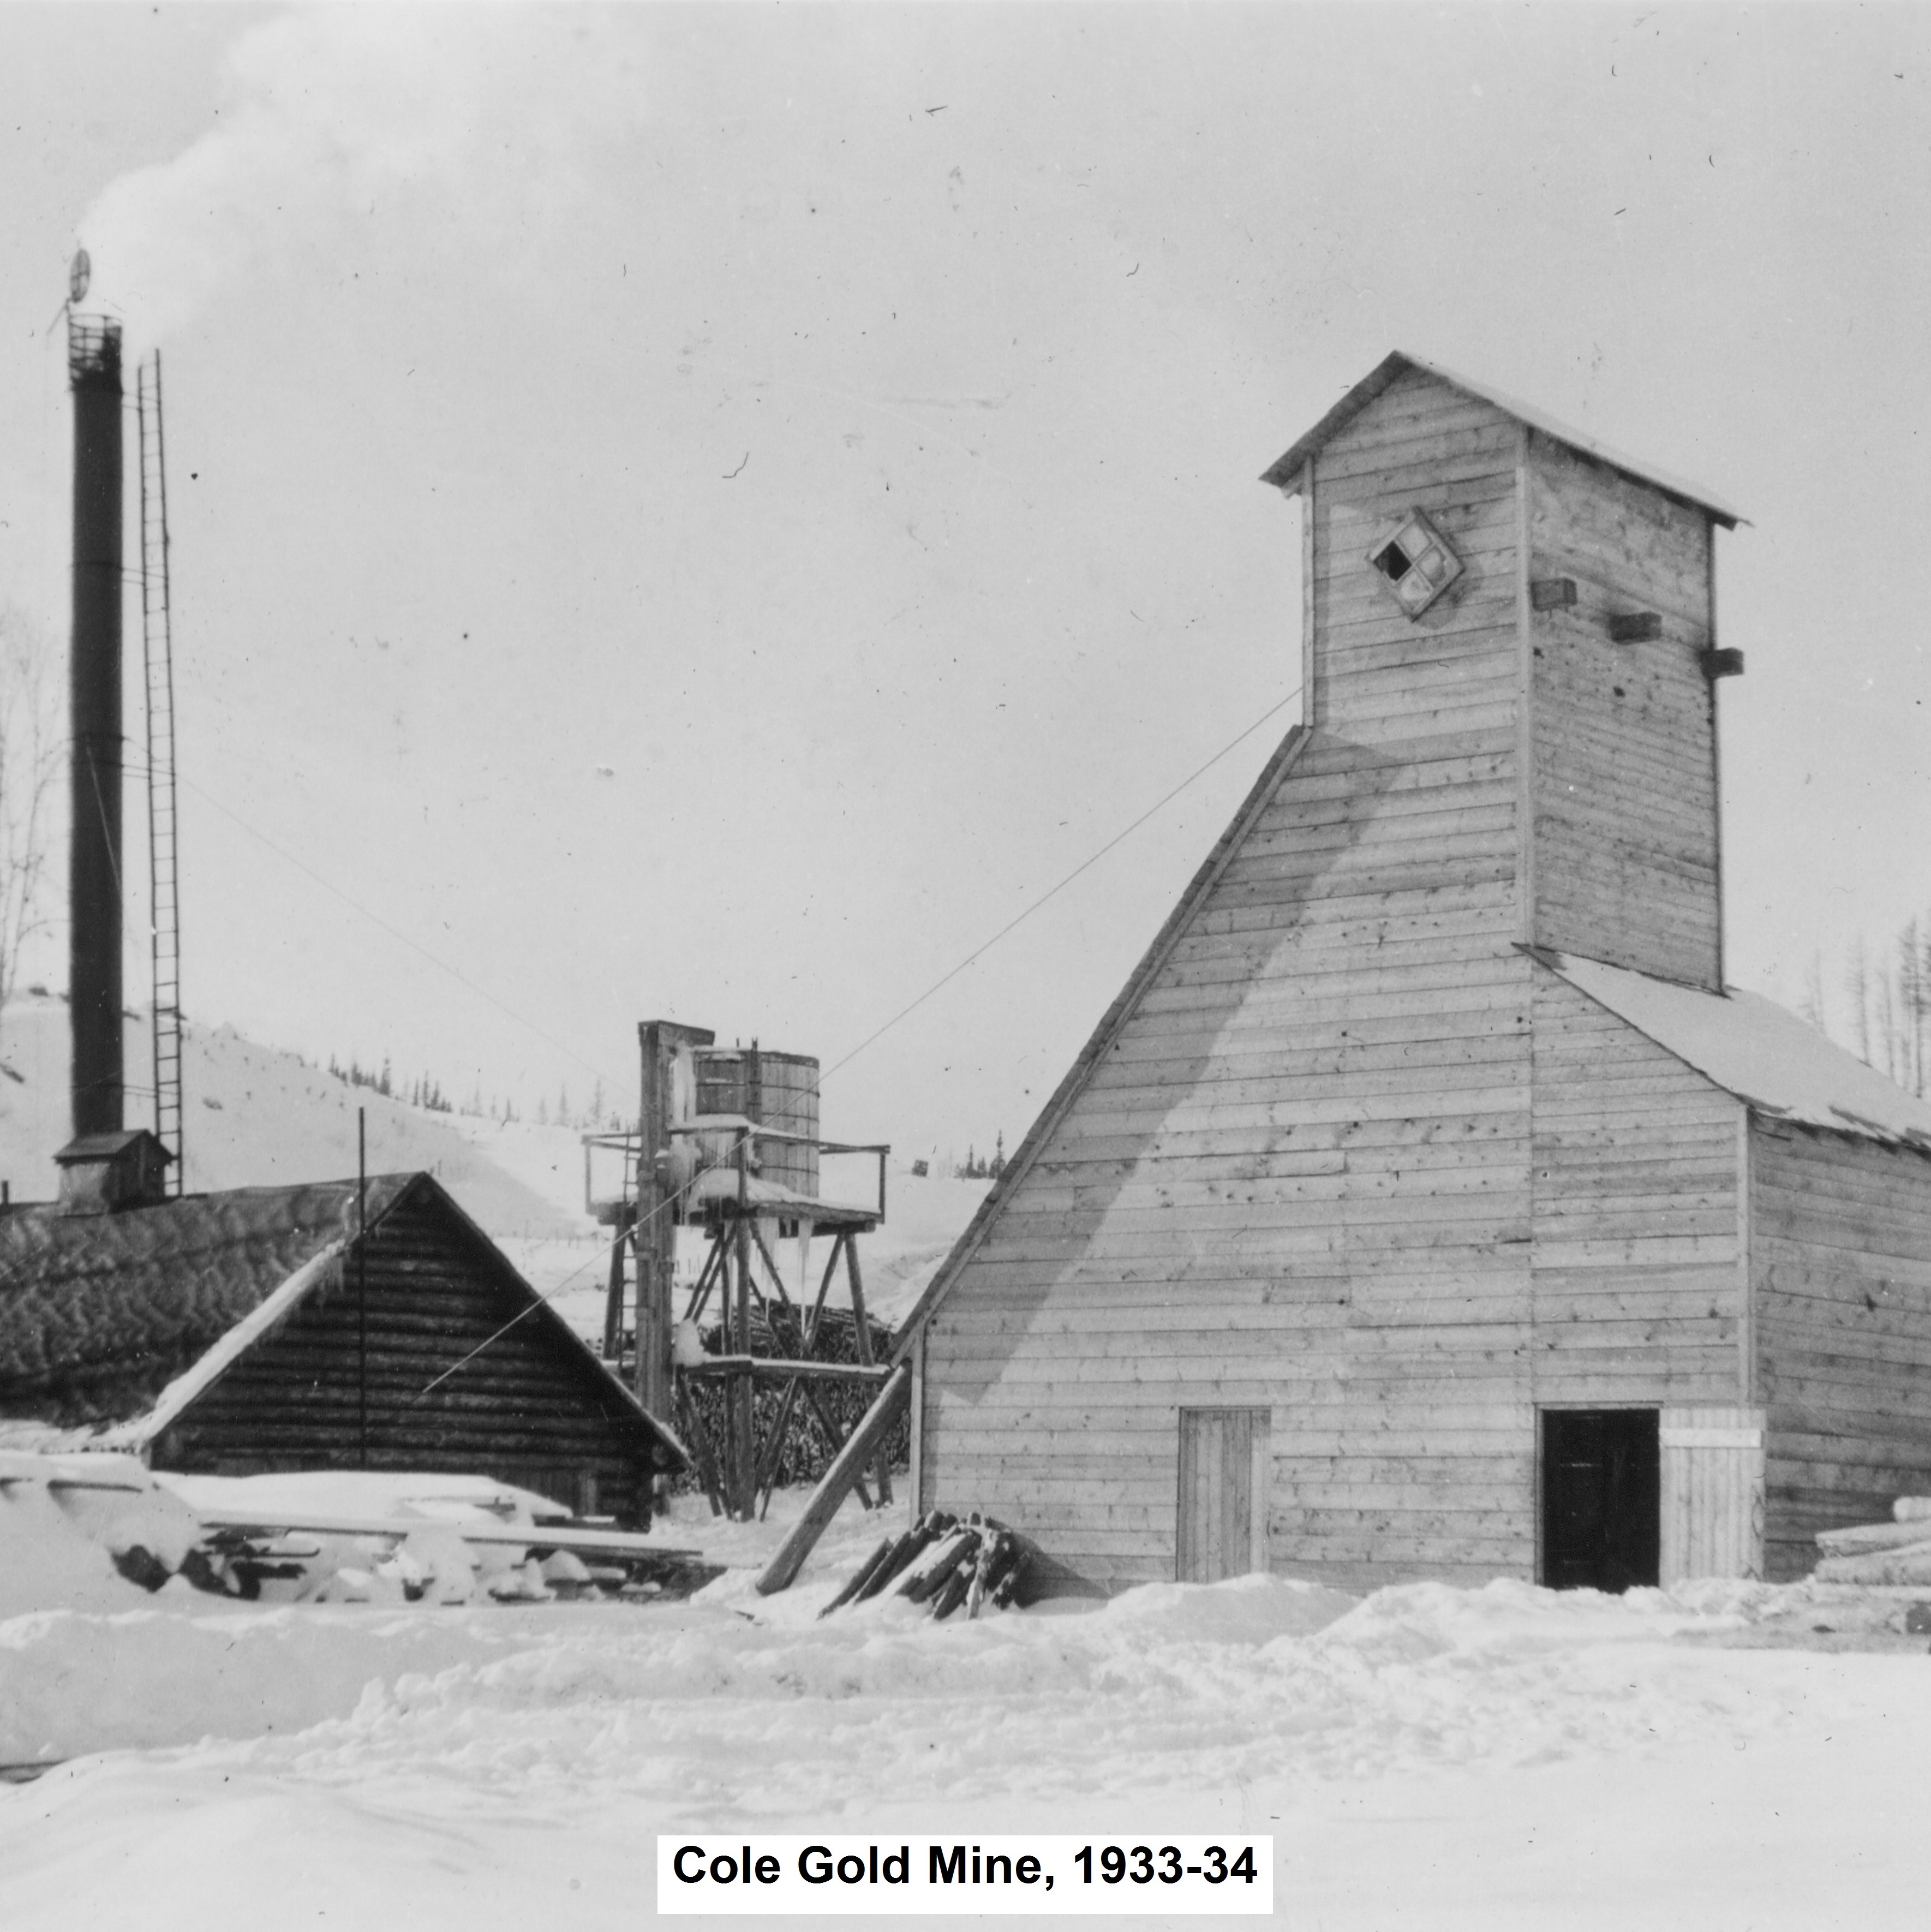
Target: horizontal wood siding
1840 1252
1299 1179
524 1410
1640 1290
1623 772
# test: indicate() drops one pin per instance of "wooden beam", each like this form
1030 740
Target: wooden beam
655 1238
837 1483
1637 627
701 1293
831 1429
772 1369
506 1535
861 1336
692 1425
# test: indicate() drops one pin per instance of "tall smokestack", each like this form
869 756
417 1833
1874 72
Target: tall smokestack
94 856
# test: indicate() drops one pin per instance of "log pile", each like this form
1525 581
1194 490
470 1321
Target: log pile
1894 1553
945 1563
809 1444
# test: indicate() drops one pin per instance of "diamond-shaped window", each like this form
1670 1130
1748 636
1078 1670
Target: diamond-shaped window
1416 562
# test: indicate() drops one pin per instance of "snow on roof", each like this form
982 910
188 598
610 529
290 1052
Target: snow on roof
1752 1047
1385 374
99 1312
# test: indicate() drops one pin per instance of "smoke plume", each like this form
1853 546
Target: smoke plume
327 112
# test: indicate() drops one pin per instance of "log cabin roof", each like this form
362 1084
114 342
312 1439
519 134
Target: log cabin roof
1751 1048
1285 473
125 1318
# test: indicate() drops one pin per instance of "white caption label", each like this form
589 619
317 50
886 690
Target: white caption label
847 1877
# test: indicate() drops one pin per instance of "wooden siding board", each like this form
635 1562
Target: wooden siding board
1621 753
1636 1286
1840 1270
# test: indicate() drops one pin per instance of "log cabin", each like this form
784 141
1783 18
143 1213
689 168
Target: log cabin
271 1329
1426 1206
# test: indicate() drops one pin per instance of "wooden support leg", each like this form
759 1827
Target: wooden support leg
877 1422
774 1450
692 1432
707 1278
743 1450
837 1442
614 1297
824 1289
861 1340
771 1262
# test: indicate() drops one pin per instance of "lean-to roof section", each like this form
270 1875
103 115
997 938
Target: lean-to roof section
1096 1049
1284 472
1752 1047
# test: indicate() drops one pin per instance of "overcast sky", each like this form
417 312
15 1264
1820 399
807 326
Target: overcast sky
710 513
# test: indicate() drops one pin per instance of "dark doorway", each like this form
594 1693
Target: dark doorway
1601 1477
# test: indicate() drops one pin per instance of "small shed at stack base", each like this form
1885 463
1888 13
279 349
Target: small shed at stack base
257 1329
1425 1205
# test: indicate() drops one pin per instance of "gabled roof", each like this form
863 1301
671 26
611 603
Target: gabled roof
126 1317
1750 1047
1284 472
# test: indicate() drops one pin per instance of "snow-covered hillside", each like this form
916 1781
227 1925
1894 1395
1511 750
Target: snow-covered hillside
256 1116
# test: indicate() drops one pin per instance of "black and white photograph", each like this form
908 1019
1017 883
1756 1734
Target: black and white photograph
965 961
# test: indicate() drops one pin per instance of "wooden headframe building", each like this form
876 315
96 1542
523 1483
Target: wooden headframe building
1424 1206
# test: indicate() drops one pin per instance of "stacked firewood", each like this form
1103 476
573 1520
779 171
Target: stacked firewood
808 1447
1895 1552
944 1563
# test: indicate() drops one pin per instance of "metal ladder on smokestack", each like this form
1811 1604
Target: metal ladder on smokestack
164 873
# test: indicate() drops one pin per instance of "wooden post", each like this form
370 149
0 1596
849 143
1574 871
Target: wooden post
613 1296
655 1239
861 1339
837 1483
740 1400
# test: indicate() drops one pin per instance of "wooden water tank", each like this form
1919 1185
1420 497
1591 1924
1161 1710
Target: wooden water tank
775 1090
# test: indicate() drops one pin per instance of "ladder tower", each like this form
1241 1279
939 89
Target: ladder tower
163 870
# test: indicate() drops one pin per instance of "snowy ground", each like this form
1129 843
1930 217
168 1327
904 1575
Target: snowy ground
1432 1757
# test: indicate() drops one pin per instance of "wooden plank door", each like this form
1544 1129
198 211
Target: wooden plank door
1713 1484
1221 1529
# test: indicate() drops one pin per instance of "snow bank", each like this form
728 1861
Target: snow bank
519 1752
